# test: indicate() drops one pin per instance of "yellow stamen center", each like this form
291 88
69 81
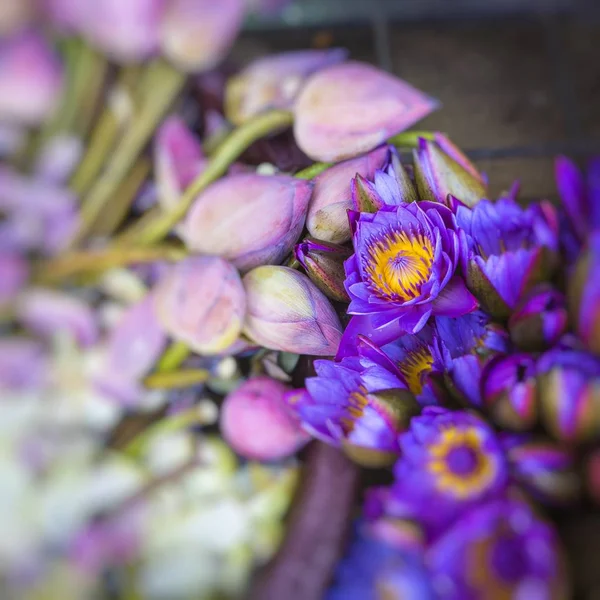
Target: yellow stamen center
357 401
414 368
461 466
398 265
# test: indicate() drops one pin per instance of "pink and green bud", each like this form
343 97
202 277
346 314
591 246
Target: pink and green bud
444 174
509 391
327 217
544 469
248 219
201 302
324 264
178 160
584 295
196 34
125 31
287 312
569 384
364 195
257 424
49 313
351 108
274 81
31 79
539 319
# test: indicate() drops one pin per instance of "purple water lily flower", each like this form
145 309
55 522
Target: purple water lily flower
501 549
506 250
569 386
403 269
410 359
464 345
341 408
580 197
449 462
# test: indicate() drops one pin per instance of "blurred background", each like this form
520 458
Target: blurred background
519 80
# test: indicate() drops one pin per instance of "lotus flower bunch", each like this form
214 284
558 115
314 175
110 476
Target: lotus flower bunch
207 334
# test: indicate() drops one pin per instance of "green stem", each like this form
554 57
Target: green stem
105 134
238 141
173 357
313 170
169 83
175 380
74 263
410 139
177 422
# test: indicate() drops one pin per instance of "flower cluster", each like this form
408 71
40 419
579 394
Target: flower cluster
187 301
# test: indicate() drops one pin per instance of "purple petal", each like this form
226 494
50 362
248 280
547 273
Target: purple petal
454 300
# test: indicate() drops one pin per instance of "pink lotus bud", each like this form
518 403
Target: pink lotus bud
178 160
256 423
287 312
442 170
126 31
48 313
195 34
327 217
14 15
348 109
274 81
201 302
248 219
14 272
30 79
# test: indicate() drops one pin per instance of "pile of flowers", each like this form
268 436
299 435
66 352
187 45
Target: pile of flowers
222 290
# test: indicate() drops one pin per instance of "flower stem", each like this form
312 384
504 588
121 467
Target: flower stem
238 141
112 120
75 263
168 84
313 170
175 380
410 139
173 357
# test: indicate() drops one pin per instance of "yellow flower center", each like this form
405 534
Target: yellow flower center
398 265
357 401
459 463
414 368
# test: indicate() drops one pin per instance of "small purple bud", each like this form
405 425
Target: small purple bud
539 319
287 312
248 219
178 160
327 217
364 196
569 384
23 364
583 294
30 79
48 313
509 390
201 302
274 81
324 264
14 272
351 108
126 31
442 170
196 34
545 469
256 422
